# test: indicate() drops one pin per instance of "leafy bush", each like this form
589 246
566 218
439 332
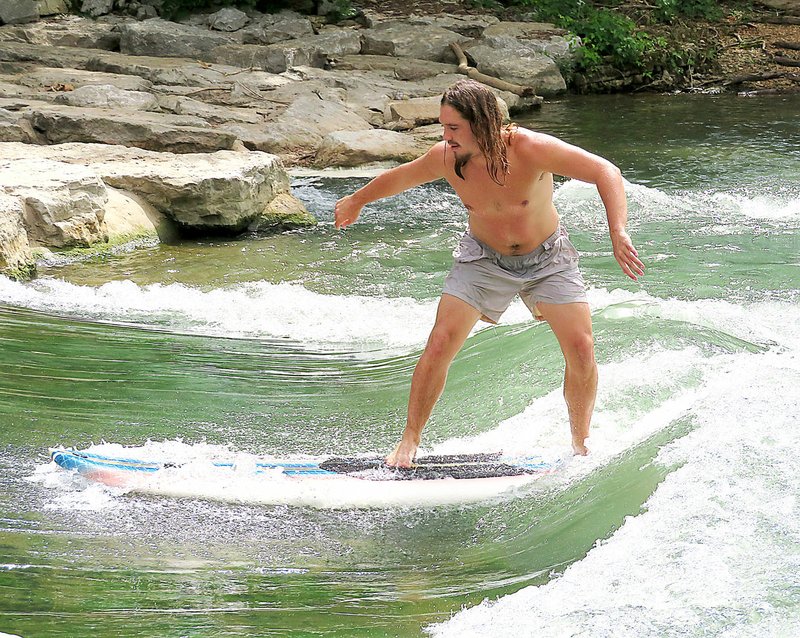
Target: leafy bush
669 10
609 36
606 34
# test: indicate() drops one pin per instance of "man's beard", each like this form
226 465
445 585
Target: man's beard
461 162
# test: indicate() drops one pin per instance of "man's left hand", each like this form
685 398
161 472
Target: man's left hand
626 255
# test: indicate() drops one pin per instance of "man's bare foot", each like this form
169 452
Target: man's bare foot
403 455
579 449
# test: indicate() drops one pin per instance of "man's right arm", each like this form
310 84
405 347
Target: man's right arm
424 169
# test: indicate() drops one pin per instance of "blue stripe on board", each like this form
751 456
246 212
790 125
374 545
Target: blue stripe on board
73 460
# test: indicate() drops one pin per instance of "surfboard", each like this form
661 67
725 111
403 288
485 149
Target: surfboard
324 482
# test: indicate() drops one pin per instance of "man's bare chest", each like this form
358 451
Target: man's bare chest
520 196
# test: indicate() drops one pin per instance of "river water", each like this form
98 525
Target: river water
684 520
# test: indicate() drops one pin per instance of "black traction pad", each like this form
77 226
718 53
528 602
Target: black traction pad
458 466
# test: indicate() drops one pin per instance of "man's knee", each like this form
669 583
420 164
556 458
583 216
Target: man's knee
443 342
579 351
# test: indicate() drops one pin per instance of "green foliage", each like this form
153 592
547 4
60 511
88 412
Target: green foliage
669 10
342 9
607 35
610 37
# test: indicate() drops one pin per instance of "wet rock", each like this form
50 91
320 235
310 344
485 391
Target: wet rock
16 259
205 193
63 204
284 212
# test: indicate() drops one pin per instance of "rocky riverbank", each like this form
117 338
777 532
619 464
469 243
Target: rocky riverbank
120 125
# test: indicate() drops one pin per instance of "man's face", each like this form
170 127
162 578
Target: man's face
457 132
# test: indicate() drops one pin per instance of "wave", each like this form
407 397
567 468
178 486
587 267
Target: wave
580 203
284 311
291 312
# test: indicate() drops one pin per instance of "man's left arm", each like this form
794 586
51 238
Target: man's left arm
567 160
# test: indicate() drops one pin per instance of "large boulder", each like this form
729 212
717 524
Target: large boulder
789 6
228 19
423 42
70 31
182 105
272 28
354 148
16 259
534 37
108 96
313 51
183 72
224 191
520 66
414 112
56 57
14 127
405 69
50 79
63 203
97 8
467 25
206 193
53 7
526 53
153 131
158 37
18 11
300 129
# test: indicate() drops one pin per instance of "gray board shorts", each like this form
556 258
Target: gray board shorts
489 281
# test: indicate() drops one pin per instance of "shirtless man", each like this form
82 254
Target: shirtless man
514 245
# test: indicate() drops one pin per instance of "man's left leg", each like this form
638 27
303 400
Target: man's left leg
572 325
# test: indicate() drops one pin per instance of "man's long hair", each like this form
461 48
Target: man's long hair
478 105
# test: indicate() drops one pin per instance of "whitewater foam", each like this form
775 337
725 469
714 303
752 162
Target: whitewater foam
715 552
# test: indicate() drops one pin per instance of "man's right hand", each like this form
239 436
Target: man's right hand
346 211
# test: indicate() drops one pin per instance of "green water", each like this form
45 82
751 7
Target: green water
304 343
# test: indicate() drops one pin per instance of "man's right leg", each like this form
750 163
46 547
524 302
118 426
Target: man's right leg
454 321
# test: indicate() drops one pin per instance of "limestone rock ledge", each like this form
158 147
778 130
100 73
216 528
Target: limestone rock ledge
79 195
